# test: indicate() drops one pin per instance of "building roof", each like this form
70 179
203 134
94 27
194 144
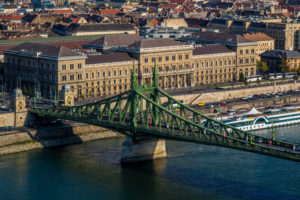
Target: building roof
256 37
220 37
281 54
44 49
115 40
152 43
99 27
108 58
211 49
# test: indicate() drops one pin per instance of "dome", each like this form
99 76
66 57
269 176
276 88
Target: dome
17 93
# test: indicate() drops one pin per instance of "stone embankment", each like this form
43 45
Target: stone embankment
23 139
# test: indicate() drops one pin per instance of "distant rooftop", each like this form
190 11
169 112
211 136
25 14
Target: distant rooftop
211 49
43 49
257 37
108 58
214 37
152 43
114 40
281 54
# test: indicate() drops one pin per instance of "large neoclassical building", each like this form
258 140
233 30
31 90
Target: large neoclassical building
47 68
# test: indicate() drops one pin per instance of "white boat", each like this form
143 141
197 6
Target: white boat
268 119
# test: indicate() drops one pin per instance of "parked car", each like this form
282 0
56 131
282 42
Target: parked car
201 104
223 104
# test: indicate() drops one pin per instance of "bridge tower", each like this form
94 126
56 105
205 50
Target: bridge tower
134 150
18 101
67 95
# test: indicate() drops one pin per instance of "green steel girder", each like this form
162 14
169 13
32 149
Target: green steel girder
140 110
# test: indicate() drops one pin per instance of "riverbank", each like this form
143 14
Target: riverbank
24 139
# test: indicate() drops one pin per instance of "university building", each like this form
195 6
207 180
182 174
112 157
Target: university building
46 68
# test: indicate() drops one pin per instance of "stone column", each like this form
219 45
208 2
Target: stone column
177 81
134 151
184 80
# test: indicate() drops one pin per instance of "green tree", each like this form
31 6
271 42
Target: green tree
265 76
262 66
242 77
24 90
283 66
296 77
29 91
246 83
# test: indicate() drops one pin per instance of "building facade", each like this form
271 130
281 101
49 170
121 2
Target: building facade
285 32
47 68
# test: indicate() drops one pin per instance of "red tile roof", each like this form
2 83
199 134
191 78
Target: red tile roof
110 11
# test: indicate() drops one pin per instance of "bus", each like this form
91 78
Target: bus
273 76
290 75
253 78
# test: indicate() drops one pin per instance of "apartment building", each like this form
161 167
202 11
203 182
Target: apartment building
285 32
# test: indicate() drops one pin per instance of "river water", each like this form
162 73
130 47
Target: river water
191 171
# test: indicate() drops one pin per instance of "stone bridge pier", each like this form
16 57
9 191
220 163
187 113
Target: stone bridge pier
135 151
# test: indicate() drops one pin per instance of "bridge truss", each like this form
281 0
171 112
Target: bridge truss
140 112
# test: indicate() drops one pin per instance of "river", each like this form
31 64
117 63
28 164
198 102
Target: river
191 171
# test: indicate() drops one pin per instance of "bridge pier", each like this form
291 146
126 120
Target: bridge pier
136 151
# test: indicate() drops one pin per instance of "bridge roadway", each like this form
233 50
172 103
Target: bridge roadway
276 148
139 113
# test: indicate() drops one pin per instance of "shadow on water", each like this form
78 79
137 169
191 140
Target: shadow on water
51 132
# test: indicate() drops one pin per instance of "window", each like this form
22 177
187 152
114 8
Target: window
125 71
63 67
115 73
72 77
108 73
252 50
247 51
64 78
120 72
71 66
187 56
153 60
92 74
86 75
98 74
167 58
241 61
173 57
79 76
103 74
146 60
180 57
241 52
79 65
159 59
53 66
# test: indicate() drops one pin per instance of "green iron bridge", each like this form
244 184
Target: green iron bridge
139 113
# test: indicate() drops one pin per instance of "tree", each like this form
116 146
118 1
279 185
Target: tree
242 77
283 66
262 67
265 76
246 83
258 81
296 77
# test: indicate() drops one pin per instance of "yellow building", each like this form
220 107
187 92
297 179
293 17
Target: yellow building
264 42
47 68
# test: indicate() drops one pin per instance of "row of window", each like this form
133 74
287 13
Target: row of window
64 66
215 63
166 58
246 51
